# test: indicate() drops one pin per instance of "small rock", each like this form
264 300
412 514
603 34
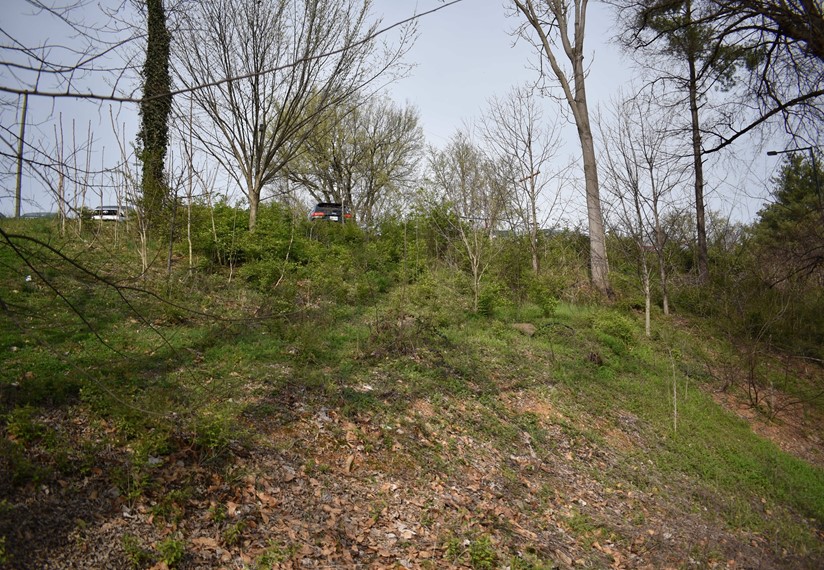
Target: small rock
526 328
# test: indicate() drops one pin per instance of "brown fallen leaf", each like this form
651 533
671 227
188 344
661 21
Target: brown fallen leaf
205 542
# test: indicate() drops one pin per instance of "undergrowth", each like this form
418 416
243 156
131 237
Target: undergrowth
367 333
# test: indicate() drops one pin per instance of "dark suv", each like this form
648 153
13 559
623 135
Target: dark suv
331 211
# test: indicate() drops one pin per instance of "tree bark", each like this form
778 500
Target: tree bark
698 161
551 16
155 109
599 266
660 243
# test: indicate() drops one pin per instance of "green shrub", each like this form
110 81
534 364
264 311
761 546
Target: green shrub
23 424
5 558
15 462
513 264
441 297
274 554
616 326
482 554
541 292
214 430
137 555
171 551
218 233
233 533
488 299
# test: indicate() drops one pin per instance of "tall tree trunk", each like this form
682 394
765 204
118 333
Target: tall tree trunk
534 226
553 17
536 260
254 202
647 296
659 252
599 266
698 161
154 112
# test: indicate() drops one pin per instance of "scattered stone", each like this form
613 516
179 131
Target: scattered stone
525 328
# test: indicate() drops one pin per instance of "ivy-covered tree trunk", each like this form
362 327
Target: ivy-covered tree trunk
155 108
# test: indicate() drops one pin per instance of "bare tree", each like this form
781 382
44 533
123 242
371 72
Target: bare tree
52 52
259 65
470 186
21 142
364 153
515 130
643 169
558 28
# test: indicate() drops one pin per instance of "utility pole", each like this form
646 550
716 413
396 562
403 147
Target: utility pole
20 145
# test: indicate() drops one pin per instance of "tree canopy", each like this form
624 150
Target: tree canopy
791 228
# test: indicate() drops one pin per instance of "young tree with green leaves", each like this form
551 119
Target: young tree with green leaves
363 153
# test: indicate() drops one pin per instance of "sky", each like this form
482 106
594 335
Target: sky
465 54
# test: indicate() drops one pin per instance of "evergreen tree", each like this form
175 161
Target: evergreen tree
790 231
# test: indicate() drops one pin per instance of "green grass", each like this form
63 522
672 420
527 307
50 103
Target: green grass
710 447
163 379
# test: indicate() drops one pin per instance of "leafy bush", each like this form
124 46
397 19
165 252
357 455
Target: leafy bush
491 297
171 551
20 469
215 430
541 292
482 554
402 247
137 555
513 265
23 424
441 296
616 326
218 234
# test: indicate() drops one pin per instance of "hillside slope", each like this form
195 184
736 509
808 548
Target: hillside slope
400 431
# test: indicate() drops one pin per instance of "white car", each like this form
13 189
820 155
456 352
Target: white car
110 213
